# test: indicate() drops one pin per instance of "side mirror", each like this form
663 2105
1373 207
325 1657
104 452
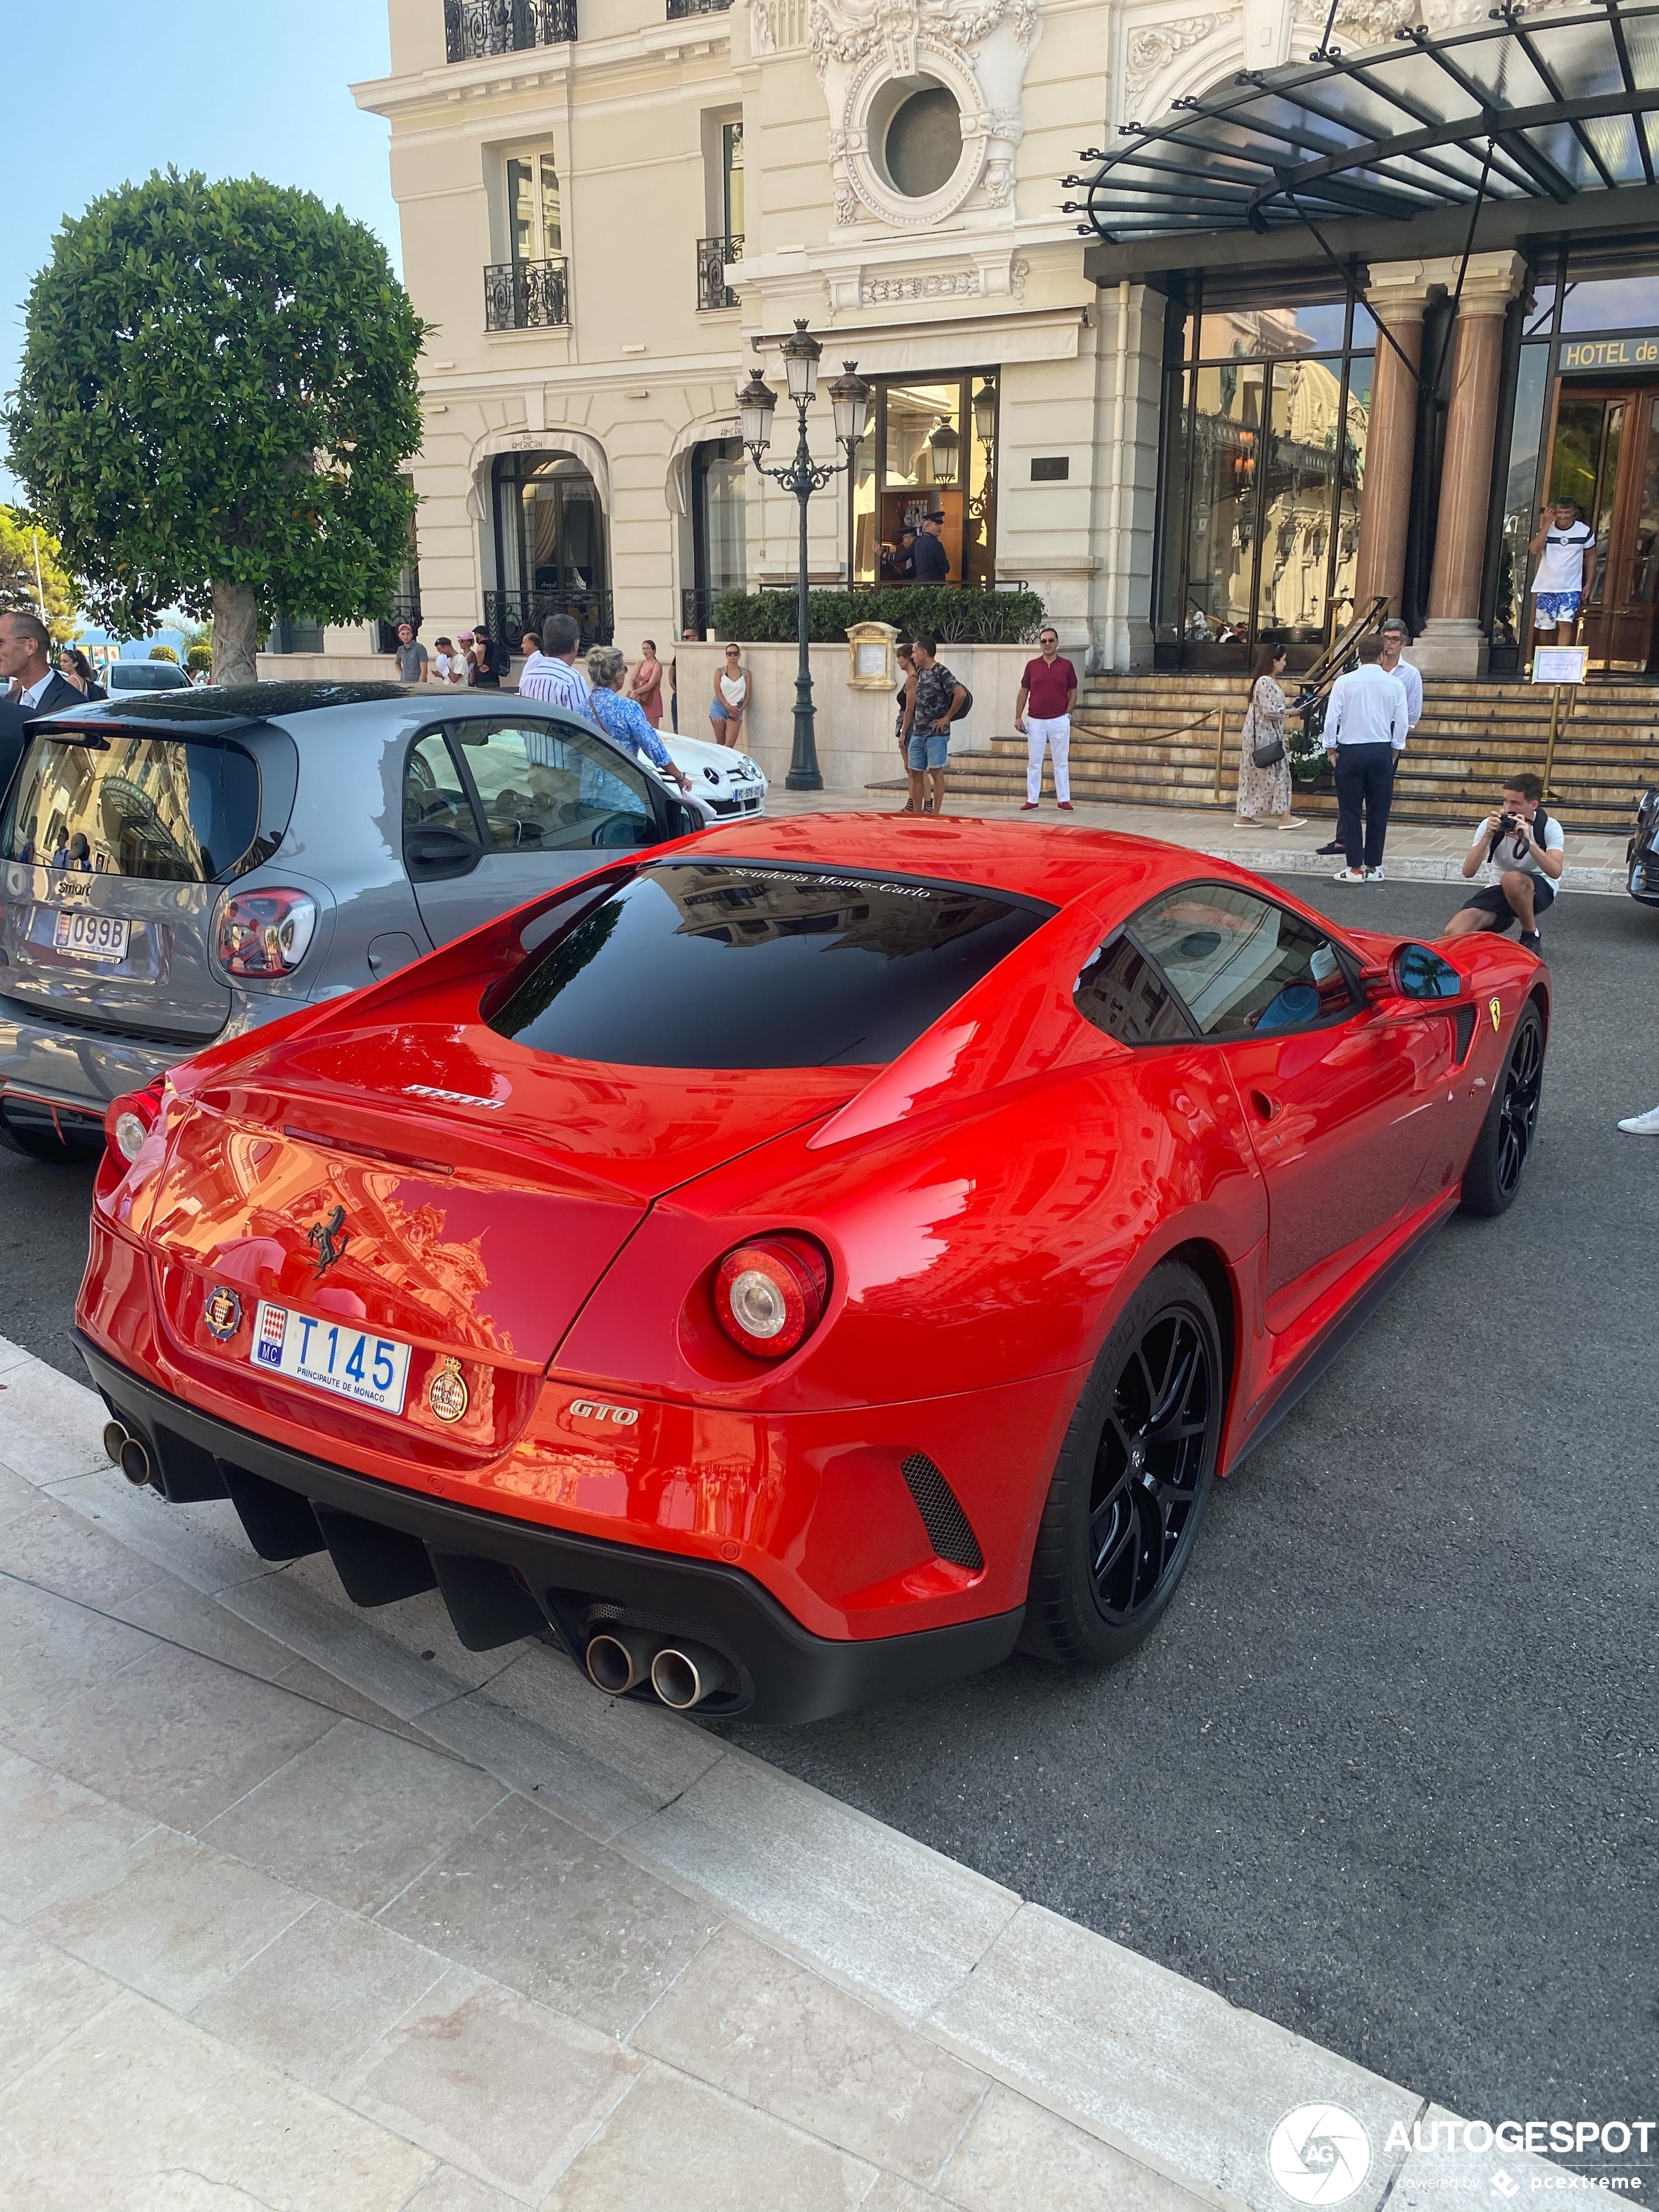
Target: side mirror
1415 972
681 820
1420 972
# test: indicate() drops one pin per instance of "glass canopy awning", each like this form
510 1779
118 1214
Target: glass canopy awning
1548 104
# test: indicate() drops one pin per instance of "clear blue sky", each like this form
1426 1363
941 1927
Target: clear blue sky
236 87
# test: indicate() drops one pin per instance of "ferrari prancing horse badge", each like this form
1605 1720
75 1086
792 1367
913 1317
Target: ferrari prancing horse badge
1496 1011
446 1393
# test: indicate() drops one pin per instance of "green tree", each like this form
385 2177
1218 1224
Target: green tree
217 396
22 588
165 653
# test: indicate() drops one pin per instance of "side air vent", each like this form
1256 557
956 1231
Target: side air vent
1465 1032
947 1525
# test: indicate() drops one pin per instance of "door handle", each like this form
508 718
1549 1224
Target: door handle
1265 1109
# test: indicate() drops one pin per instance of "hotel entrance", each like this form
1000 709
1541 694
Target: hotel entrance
1604 453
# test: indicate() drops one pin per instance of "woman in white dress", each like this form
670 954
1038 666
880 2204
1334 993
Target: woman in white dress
731 700
1265 791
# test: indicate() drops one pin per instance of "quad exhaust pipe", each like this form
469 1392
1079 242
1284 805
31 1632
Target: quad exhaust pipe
681 1675
132 1455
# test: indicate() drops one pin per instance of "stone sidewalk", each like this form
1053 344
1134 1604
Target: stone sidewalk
1416 852
307 1909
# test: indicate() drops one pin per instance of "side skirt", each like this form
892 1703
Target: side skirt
1300 1379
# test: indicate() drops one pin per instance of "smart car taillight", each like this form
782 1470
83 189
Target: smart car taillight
266 932
770 1296
128 1120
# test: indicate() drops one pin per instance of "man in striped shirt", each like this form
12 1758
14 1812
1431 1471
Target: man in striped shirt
552 674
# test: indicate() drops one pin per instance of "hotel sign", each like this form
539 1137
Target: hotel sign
1611 353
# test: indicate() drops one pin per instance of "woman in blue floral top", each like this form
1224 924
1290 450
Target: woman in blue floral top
624 718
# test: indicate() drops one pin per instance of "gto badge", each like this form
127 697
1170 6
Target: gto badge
1496 1011
222 1313
590 1409
328 1240
446 1393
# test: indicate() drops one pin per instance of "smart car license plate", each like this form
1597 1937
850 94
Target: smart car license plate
351 1363
91 936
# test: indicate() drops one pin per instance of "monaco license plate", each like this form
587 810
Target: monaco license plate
90 936
331 1355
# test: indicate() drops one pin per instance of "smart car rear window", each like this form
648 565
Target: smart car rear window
155 807
732 964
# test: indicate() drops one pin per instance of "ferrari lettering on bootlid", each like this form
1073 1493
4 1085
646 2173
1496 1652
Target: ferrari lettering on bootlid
449 1097
589 1409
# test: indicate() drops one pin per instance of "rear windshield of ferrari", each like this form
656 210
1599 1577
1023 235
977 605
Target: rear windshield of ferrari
731 964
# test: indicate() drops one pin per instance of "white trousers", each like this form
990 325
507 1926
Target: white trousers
1057 734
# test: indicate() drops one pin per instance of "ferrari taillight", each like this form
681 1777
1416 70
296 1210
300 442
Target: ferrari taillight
266 932
769 1296
128 1120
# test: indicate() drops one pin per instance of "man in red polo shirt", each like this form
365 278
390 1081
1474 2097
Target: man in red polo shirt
1047 692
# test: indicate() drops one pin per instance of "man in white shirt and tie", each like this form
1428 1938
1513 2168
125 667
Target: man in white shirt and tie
1365 726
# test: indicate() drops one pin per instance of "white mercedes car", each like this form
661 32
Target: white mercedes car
725 782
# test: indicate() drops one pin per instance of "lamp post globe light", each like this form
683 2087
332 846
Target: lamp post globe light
849 401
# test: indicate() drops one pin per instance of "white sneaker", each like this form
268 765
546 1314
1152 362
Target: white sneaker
1373 875
1350 876
1642 1125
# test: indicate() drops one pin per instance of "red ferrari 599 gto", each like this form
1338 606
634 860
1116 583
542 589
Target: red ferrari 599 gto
796 1265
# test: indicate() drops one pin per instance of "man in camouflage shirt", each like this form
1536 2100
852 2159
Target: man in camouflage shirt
938 699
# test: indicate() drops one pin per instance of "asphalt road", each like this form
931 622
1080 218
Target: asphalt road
1386 1773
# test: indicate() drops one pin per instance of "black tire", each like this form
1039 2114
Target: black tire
1501 1149
1132 1478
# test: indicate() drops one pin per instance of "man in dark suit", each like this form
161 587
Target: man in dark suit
932 563
29 684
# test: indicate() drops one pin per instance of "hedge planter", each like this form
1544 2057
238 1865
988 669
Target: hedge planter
948 612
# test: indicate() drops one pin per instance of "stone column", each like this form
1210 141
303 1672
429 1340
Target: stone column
1453 644
1397 296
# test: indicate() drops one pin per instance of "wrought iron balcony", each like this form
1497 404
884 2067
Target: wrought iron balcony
526 295
713 254
679 9
473 28
508 615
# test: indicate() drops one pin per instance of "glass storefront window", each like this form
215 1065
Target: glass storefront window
924 454
1520 484
1263 479
1235 333
1617 303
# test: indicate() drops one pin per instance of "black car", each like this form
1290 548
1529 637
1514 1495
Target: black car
1642 857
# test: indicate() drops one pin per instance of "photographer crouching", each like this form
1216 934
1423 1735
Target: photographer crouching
1527 850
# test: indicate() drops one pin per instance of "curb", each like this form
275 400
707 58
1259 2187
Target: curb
1142 2059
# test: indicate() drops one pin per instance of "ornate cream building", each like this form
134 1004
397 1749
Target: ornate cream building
1184 431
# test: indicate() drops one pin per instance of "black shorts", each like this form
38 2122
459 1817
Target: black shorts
1490 899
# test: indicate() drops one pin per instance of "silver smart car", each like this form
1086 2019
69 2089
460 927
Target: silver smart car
186 866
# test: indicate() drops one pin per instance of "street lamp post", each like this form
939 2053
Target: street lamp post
849 399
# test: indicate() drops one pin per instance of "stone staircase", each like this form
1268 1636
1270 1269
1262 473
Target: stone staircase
1150 740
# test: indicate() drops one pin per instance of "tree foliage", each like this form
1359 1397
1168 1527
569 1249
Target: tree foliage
19 541
218 390
165 653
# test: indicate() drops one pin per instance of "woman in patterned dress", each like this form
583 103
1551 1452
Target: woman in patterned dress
1265 791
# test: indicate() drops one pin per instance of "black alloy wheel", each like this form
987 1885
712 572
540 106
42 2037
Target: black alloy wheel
1518 1103
1510 1129
1150 1467
1131 1479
